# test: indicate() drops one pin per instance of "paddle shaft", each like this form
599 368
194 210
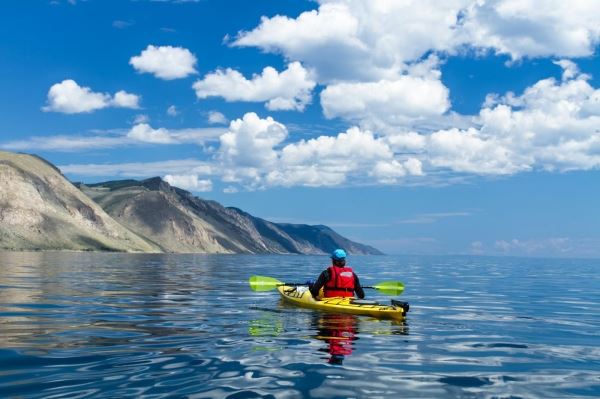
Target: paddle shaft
264 283
301 284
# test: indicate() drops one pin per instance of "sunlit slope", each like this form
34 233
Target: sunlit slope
41 210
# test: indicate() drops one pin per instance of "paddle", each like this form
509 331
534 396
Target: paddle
264 283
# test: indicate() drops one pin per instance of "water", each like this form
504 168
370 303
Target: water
76 325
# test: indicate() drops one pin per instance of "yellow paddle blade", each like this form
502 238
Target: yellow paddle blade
390 287
263 283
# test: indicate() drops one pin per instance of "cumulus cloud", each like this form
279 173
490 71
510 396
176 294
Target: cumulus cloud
332 160
375 40
217 118
532 28
143 132
165 62
328 160
394 102
332 149
250 141
70 98
388 172
125 100
552 125
189 182
378 61
331 30
371 40
288 90
253 153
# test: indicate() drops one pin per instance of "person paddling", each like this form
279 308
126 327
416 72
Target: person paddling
338 279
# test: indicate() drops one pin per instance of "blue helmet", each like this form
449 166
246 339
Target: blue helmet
338 254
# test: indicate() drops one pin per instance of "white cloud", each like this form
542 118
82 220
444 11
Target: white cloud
70 98
63 143
391 102
250 141
533 28
375 40
331 30
139 134
143 132
217 118
406 141
172 111
165 62
332 160
353 145
553 125
388 172
189 182
288 90
370 41
125 100
141 169
469 152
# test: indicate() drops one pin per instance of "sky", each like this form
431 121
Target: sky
415 126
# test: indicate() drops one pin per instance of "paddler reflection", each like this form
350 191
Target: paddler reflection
339 331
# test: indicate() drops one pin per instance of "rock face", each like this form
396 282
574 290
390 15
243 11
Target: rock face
177 221
41 210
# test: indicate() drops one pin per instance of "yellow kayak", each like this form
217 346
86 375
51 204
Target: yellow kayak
301 296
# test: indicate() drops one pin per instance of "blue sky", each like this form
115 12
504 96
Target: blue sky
417 127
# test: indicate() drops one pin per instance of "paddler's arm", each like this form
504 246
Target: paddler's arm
316 287
358 288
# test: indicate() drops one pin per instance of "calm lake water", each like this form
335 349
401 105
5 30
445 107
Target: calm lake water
76 325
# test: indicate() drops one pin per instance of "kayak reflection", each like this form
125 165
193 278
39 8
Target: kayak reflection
339 331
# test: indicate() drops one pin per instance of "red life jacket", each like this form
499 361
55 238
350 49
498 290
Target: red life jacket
341 282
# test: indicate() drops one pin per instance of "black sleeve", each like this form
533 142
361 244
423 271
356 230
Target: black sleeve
358 288
316 287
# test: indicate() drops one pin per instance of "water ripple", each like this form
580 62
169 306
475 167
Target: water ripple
157 326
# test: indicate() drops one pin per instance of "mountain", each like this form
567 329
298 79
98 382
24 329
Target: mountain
177 221
41 210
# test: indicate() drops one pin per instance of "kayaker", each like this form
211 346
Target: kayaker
338 279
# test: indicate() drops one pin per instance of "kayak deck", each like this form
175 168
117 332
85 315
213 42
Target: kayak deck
302 297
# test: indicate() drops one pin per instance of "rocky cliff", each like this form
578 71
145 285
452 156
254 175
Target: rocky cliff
41 210
177 221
